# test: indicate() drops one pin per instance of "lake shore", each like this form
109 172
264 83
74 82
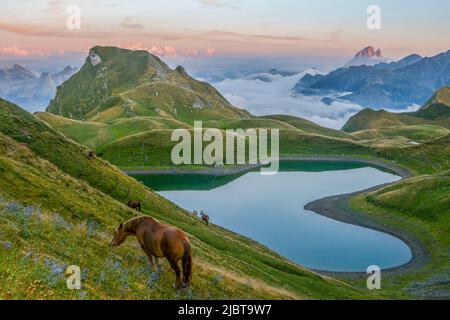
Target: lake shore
336 207
223 171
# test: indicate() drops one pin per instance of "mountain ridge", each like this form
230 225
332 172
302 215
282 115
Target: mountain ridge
395 85
436 111
118 83
31 90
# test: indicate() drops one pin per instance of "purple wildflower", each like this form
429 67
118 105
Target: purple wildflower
7 245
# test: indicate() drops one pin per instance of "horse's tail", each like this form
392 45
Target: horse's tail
187 261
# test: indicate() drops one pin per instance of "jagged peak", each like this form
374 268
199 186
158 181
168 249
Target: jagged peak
369 52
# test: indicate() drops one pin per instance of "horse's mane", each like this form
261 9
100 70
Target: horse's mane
132 223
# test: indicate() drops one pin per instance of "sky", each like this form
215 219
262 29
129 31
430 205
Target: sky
318 33
229 38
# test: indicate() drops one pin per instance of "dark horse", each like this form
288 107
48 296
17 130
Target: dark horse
204 217
158 241
134 204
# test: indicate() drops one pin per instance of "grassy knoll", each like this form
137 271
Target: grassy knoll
420 206
427 158
400 136
129 83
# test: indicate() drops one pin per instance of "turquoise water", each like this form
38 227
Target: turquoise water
269 209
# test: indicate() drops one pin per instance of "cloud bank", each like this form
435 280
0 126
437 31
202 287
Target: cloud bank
269 94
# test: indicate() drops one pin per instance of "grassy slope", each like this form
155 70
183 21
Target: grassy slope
400 135
135 83
371 119
428 158
151 149
144 142
92 191
420 206
438 107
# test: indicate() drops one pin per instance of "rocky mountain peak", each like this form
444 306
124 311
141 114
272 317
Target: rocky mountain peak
369 52
367 56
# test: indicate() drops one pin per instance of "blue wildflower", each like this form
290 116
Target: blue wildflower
56 269
28 211
91 228
59 220
84 273
153 279
124 279
102 276
12 206
117 265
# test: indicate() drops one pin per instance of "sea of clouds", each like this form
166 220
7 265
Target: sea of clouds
269 94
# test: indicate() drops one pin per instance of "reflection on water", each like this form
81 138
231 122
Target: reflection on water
269 209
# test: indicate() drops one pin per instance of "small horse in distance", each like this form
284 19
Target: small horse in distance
204 217
134 204
159 240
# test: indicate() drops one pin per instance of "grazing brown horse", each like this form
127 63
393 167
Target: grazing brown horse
159 240
134 204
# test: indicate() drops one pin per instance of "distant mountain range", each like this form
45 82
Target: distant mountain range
28 89
394 85
435 112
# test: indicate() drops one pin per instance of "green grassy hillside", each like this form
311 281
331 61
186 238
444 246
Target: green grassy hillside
375 119
414 133
144 142
59 207
128 83
420 206
427 158
152 149
438 107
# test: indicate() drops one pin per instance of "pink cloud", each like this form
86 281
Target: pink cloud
210 51
18 52
171 51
